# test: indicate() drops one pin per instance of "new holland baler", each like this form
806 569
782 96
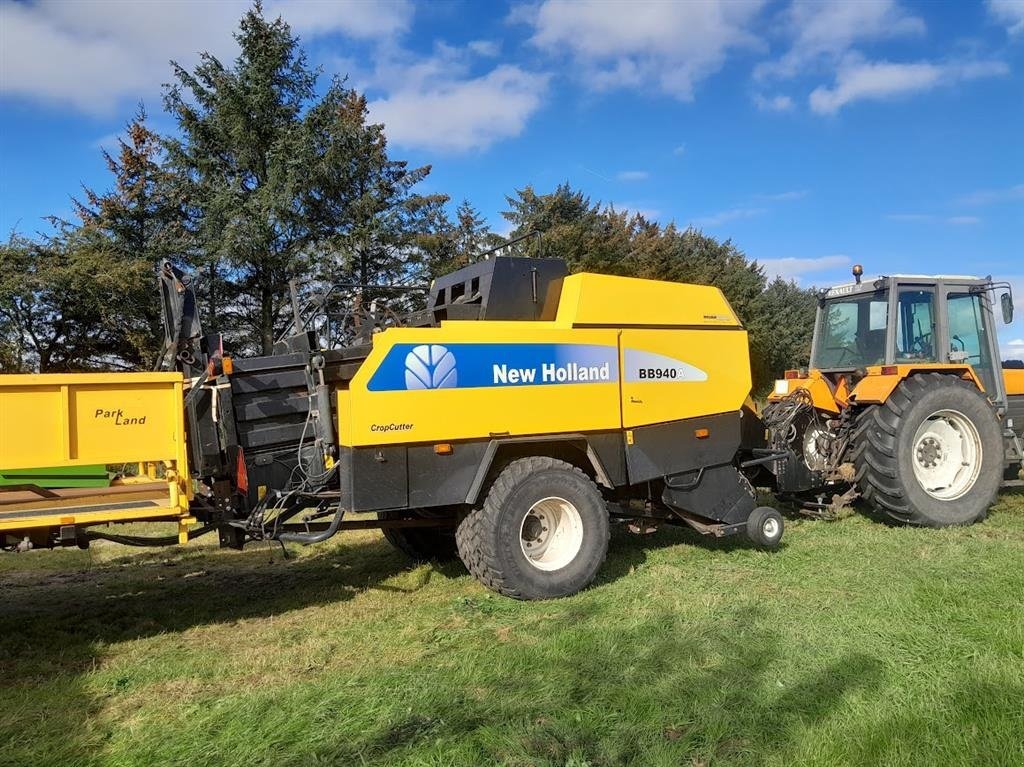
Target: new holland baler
507 423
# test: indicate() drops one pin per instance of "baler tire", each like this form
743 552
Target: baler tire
491 538
765 527
885 452
422 544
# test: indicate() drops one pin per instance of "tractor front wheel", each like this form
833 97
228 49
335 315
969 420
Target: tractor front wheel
932 455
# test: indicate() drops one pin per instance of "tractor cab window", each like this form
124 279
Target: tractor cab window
969 337
852 334
915 336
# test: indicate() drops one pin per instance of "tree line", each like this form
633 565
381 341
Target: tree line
266 180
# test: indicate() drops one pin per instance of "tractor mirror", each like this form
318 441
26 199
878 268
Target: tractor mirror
1006 302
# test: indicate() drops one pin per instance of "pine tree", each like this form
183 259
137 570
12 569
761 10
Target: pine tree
124 234
472 235
282 184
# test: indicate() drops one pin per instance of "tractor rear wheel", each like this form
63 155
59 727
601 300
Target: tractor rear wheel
932 455
422 543
541 533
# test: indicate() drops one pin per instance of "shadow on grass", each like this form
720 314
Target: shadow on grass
572 682
657 692
56 625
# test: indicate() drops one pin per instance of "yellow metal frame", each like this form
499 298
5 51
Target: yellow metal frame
96 418
1014 382
874 389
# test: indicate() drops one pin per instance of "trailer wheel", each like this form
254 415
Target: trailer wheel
932 455
541 533
422 544
765 527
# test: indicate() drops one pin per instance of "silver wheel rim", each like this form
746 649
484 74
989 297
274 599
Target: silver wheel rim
551 534
946 455
813 456
770 528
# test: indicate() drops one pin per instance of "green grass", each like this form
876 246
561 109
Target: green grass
855 644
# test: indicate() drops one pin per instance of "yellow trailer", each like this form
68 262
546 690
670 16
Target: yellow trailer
67 420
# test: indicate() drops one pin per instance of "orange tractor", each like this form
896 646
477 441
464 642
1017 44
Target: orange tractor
905 403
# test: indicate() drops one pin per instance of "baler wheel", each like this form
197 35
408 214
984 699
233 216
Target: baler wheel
764 527
541 533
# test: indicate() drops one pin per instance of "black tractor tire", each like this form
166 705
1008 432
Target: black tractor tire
493 538
422 544
884 453
765 527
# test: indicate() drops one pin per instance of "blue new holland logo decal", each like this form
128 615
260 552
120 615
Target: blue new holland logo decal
430 366
469 365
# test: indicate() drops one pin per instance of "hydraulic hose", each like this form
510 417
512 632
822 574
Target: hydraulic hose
307 538
137 540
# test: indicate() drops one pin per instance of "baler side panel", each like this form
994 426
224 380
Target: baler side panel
476 401
674 374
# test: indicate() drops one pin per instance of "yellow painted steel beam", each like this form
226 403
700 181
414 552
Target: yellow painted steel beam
133 514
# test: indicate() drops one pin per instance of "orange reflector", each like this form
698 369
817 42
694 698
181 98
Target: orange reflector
702 433
241 474
67 520
890 370
228 366
444 448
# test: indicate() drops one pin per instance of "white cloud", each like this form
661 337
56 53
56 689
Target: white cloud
1010 13
778 103
922 218
447 101
858 80
618 44
993 196
448 114
651 214
486 48
795 268
362 19
680 150
823 32
92 54
725 216
632 175
110 142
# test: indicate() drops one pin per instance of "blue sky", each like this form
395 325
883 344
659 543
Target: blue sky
815 135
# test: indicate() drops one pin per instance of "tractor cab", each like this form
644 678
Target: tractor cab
904 405
910 320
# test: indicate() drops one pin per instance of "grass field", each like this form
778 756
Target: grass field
854 644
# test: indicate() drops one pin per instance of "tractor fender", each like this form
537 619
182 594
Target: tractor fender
877 386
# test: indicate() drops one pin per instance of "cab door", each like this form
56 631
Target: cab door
970 337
